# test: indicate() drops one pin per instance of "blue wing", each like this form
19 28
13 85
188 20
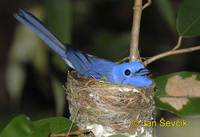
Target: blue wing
89 65
85 64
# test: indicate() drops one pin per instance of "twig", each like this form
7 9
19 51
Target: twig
127 58
123 60
69 133
169 53
134 52
77 133
147 4
73 121
178 43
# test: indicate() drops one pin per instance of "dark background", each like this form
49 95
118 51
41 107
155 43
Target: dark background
99 27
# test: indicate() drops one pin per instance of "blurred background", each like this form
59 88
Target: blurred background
32 77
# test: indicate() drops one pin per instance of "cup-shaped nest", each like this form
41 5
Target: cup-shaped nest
109 109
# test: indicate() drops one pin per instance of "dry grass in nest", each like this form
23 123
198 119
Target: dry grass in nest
110 107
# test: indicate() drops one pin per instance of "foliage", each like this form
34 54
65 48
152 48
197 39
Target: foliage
34 52
179 93
22 126
175 92
167 11
188 19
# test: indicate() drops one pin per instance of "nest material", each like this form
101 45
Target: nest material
108 109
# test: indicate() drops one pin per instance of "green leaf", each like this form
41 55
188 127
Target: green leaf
166 10
117 44
20 126
56 124
188 20
59 17
42 131
40 59
23 50
15 80
59 63
59 21
59 96
179 93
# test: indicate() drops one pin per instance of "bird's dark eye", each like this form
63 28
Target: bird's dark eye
127 72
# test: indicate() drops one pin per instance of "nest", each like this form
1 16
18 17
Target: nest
108 109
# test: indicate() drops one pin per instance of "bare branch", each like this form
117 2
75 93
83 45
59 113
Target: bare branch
73 121
147 4
135 31
169 53
123 60
69 133
134 52
75 133
178 43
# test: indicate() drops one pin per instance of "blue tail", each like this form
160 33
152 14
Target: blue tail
77 60
34 24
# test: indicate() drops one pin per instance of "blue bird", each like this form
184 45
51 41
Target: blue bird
133 73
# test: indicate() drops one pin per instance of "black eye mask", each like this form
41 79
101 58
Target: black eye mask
142 72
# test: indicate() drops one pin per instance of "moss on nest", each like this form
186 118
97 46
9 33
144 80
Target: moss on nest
110 108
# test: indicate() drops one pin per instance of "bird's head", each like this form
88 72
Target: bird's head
133 73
